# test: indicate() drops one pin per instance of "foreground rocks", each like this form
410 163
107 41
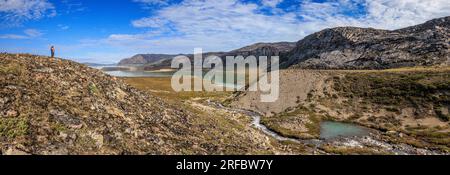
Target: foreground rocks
54 106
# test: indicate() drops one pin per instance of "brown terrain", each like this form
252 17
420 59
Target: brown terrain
56 106
411 104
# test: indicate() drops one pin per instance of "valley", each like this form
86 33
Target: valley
298 120
344 90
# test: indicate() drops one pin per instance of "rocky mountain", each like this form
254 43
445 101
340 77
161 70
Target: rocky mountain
344 48
140 59
366 48
55 106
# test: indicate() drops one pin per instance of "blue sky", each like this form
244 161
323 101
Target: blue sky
106 31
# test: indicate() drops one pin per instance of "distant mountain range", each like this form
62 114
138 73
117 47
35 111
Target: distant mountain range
140 59
343 48
98 64
154 61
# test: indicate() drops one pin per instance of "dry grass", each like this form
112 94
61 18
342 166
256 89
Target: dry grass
225 133
162 87
312 123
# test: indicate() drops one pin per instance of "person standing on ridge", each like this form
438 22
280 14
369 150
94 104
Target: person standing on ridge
52 50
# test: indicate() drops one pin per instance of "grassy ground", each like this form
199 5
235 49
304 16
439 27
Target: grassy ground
410 101
426 90
162 88
307 127
398 88
390 94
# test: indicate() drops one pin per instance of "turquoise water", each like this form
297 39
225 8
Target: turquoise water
223 83
330 130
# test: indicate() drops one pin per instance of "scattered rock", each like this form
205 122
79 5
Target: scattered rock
65 102
14 151
63 118
11 113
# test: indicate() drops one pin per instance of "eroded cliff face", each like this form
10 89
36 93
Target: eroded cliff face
366 48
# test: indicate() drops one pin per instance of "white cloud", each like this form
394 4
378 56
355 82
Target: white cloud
63 27
32 33
149 22
71 7
382 14
271 3
13 12
27 34
221 25
214 24
12 36
402 13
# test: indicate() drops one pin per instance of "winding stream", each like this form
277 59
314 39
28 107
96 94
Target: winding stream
335 133
256 123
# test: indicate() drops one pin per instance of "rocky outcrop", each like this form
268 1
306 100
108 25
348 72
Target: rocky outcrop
55 106
366 48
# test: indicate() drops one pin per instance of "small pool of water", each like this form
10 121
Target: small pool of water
160 74
330 130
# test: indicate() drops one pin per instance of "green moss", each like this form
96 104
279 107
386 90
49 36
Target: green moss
13 127
11 68
313 127
93 88
59 127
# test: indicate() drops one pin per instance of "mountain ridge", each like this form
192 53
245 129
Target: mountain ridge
153 61
425 44
367 48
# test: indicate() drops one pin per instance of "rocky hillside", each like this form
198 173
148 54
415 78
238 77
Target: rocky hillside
145 59
54 106
367 48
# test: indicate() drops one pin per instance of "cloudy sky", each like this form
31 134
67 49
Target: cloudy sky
105 31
